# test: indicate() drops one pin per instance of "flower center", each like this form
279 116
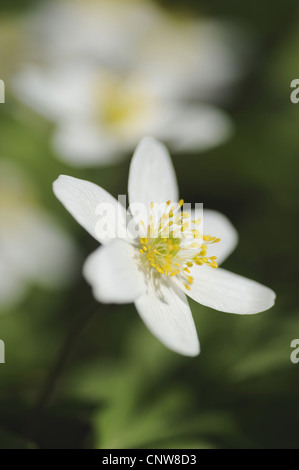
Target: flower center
173 243
124 105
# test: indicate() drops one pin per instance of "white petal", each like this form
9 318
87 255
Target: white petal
56 93
81 143
152 176
39 250
196 128
12 287
216 224
114 274
93 207
180 69
167 315
104 31
228 292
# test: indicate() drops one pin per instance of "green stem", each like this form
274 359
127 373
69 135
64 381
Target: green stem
50 384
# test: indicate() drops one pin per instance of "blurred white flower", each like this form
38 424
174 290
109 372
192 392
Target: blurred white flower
100 115
33 248
109 72
106 31
156 272
188 54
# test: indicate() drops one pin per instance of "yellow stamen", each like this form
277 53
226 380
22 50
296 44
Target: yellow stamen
173 246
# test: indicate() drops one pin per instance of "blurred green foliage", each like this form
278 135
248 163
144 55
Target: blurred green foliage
121 388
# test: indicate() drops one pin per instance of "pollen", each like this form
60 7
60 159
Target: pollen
122 105
173 243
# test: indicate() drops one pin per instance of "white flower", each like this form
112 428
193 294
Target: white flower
33 248
106 31
157 273
119 70
99 114
187 54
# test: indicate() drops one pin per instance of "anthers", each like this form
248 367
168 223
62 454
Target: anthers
173 244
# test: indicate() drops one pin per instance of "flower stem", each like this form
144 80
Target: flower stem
50 384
